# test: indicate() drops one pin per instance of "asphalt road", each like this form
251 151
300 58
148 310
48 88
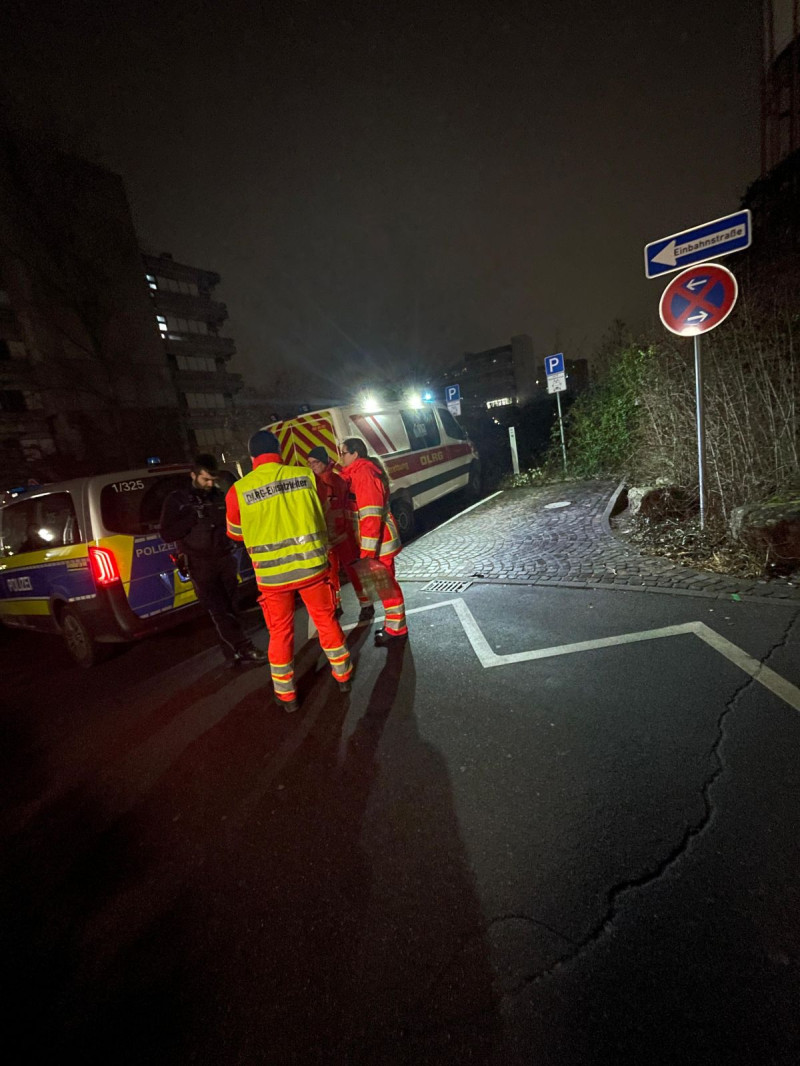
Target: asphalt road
585 855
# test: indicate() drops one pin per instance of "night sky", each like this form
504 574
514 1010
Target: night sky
381 182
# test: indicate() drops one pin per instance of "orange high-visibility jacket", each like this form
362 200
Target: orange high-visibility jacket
377 532
334 493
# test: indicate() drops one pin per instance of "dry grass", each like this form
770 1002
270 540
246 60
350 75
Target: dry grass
685 543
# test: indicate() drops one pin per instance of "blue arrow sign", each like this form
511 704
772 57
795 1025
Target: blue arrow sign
709 241
554 364
452 393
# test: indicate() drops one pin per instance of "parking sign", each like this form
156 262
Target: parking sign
452 393
554 364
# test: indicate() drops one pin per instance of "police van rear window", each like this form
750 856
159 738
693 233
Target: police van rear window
134 506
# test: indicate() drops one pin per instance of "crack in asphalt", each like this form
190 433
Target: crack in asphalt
605 925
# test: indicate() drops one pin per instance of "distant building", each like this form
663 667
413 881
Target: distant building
780 110
508 377
83 383
189 320
774 198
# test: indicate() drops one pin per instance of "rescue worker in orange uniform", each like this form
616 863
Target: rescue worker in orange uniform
377 532
276 511
334 492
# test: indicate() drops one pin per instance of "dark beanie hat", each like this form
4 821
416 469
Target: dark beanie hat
264 443
320 455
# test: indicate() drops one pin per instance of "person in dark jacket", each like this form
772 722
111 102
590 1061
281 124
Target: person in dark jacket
194 518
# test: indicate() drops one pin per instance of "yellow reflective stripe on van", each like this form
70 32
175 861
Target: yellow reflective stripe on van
16 608
299 435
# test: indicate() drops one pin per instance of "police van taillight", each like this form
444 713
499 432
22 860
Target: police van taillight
104 566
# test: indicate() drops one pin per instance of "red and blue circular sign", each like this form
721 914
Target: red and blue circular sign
698 299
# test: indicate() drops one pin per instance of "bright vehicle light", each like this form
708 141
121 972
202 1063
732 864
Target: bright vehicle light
414 400
370 405
428 397
104 566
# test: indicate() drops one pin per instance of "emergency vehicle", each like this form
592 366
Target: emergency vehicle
83 558
425 451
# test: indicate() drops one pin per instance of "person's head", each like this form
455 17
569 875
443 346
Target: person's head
204 472
318 460
353 448
264 443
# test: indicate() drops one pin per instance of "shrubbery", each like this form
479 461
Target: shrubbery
637 421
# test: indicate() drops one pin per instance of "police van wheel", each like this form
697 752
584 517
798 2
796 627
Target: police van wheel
404 518
83 649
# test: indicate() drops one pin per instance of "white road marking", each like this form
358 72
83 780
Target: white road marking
466 510
765 676
488 658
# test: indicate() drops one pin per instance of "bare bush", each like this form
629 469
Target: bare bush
751 388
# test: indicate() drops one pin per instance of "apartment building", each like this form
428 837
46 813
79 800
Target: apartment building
84 386
190 320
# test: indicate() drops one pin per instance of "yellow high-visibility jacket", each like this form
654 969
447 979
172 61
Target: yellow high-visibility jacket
276 511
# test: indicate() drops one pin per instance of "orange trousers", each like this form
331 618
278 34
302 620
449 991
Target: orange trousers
278 608
394 606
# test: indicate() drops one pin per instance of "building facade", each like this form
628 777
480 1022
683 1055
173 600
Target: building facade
189 321
774 198
502 380
84 386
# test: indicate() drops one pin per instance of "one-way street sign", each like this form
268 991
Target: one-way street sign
709 241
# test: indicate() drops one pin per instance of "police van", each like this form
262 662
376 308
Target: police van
83 558
426 452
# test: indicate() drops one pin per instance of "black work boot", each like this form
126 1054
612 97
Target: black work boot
290 706
382 638
249 653
367 613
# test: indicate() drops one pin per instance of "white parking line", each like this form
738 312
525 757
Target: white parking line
488 658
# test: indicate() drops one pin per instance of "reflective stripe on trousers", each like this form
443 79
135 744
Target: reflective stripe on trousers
278 608
393 603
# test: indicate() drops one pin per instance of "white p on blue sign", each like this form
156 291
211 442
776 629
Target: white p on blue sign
452 393
554 364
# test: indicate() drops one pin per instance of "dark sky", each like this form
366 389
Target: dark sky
382 181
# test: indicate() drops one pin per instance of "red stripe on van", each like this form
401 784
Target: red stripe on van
428 459
368 433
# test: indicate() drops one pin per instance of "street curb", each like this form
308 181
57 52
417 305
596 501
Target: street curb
610 507
609 586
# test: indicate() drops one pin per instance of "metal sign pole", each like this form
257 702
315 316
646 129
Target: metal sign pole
561 429
512 439
701 429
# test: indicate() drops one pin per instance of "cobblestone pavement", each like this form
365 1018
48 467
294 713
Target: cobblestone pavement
523 536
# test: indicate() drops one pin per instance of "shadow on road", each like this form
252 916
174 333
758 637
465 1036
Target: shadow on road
229 884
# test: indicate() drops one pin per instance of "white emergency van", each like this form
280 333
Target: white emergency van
426 452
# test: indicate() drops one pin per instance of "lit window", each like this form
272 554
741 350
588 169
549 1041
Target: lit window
162 323
151 281
506 401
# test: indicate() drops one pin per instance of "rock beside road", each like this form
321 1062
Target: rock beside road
772 526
